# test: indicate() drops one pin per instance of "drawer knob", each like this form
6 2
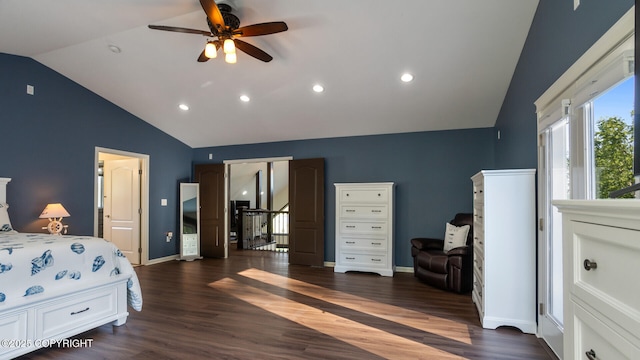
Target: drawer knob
588 264
591 355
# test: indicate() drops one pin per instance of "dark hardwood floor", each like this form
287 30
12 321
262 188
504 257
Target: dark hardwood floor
253 305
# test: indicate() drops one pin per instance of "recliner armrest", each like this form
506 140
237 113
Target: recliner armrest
424 244
459 251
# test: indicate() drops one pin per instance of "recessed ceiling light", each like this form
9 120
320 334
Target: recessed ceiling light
318 88
406 77
244 98
114 49
184 107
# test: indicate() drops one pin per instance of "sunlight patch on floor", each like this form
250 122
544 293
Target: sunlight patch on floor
365 337
417 320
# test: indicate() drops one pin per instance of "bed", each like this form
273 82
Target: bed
55 286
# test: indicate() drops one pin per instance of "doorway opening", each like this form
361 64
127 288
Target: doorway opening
121 193
257 192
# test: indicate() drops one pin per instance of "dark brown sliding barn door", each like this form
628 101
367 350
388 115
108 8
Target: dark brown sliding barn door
306 212
212 217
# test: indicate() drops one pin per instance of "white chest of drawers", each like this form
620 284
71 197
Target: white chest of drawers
504 249
601 266
364 228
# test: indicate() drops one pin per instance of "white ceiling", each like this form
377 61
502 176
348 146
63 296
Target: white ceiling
461 52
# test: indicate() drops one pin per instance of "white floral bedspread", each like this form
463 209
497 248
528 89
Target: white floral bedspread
34 267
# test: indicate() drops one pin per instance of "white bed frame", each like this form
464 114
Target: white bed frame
41 323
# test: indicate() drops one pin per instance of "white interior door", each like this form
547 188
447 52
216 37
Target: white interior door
554 185
122 206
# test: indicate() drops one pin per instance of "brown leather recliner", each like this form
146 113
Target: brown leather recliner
451 271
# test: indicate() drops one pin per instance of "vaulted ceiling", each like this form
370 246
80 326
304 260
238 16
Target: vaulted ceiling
462 54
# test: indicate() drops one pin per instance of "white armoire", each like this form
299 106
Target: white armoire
364 228
504 248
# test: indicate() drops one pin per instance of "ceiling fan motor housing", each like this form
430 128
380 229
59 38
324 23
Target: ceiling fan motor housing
230 20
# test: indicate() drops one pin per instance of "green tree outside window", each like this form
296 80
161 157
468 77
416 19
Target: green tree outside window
613 145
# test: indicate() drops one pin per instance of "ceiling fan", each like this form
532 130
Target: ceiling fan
226 28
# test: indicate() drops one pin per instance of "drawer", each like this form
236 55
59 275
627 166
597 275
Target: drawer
363 227
478 216
478 241
478 263
593 336
13 326
611 287
365 211
65 315
364 195
478 192
363 260
478 299
364 243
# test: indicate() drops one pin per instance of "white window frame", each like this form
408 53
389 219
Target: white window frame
604 65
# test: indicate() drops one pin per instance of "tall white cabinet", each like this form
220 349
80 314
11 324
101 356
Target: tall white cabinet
364 228
504 248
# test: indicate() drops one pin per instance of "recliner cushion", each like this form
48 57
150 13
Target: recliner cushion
433 261
434 279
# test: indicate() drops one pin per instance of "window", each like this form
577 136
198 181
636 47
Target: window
599 107
611 123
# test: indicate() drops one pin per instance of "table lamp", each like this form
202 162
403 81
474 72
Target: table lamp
55 213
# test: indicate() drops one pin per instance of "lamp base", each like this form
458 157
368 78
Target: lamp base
56 227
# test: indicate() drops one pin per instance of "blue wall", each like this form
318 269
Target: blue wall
431 170
48 149
557 38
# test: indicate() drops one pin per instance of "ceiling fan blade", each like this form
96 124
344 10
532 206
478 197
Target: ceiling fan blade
261 29
214 15
179 29
202 57
252 50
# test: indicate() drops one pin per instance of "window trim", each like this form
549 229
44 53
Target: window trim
590 64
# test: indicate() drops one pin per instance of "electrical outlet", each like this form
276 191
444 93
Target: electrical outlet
169 236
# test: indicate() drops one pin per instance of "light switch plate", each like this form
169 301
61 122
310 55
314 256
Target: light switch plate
163 202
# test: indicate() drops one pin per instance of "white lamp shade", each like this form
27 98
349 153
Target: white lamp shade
229 46
54 211
230 58
210 50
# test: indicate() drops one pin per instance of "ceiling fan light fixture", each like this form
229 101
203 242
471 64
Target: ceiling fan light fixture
210 50
231 58
229 47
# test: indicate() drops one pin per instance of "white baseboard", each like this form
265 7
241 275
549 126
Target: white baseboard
400 269
162 259
404 269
